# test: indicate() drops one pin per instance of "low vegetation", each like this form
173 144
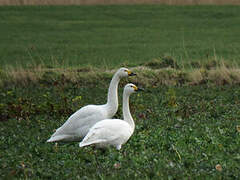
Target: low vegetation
181 131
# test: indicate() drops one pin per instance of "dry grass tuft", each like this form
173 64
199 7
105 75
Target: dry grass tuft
196 76
22 76
223 75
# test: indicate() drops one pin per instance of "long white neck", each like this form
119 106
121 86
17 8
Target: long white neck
126 111
112 100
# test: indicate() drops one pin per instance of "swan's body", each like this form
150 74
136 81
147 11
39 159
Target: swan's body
114 132
79 123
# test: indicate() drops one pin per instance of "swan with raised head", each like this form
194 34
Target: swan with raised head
114 132
79 123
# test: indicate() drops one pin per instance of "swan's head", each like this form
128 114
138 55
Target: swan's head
131 88
124 72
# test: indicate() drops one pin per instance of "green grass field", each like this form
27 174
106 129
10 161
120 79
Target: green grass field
187 120
108 36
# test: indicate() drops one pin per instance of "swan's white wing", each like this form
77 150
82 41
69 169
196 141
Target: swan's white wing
111 131
78 124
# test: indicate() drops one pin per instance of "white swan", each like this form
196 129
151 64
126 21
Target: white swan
113 132
79 123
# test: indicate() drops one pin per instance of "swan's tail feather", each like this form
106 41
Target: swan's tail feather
53 139
82 144
57 138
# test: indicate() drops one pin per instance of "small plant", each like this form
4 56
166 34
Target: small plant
171 98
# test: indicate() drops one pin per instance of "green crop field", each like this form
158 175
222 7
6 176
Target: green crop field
108 36
190 132
56 59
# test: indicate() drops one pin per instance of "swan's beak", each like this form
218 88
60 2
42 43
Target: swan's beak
131 73
138 89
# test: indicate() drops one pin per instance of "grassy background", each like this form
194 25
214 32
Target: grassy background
181 131
108 36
